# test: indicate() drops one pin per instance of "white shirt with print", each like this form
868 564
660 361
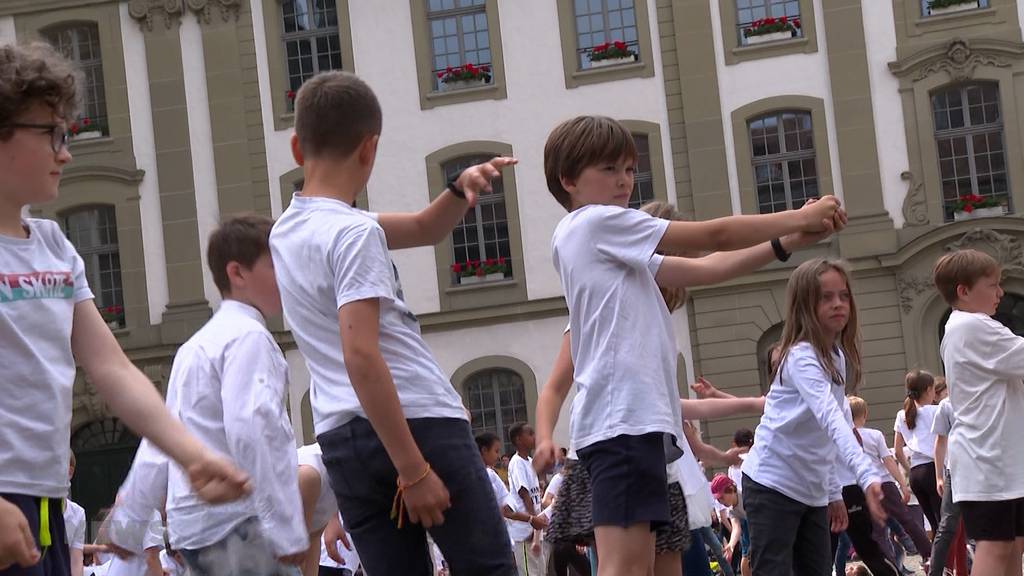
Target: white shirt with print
42 278
328 254
984 363
522 475
622 340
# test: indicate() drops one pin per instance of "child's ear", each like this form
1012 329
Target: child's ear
568 184
368 150
962 291
234 272
297 150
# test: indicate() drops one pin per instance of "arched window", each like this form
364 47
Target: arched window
764 348
643 178
80 43
969 139
496 399
93 232
782 149
104 450
481 250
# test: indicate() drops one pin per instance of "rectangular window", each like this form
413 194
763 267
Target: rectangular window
751 12
942 7
460 43
80 43
643 177
603 22
785 174
480 242
311 41
93 232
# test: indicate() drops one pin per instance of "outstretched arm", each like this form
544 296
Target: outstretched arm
714 408
430 225
709 454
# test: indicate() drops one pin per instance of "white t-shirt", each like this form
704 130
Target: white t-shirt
328 254
554 485
804 433
326 505
920 441
498 486
877 450
735 474
521 475
42 278
74 523
984 367
942 425
622 340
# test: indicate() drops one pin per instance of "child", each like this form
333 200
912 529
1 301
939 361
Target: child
48 320
946 533
621 339
742 440
385 413
524 498
74 522
894 486
228 385
727 493
789 496
489 446
984 364
941 391
318 503
913 428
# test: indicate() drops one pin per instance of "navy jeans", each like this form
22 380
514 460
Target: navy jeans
473 538
787 537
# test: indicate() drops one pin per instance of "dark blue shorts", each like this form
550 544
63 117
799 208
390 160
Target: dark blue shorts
56 559
473 538
628 480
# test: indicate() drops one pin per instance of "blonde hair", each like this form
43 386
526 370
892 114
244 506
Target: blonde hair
674 297
961 267
858 407
802 296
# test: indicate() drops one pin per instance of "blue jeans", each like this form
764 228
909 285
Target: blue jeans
473 538
842 553
712 541
243 552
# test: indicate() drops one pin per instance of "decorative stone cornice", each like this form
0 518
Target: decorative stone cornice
959 58
87 172
909 287
11 7
1004 248
171 11
915 204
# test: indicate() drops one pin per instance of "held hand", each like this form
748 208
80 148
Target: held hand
873 495
216 480
819 215
727 552
905 490
333 534
805 238
544 456
837 518
476 179
733 455
940 486
702 388
426 501
539 522
16 543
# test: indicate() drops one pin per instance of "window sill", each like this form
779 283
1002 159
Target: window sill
747 49
88 144
481 286
955 18
493 91
635 69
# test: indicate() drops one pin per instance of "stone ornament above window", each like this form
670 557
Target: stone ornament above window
172 10
959 58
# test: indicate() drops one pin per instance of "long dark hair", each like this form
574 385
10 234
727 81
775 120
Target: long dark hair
918 383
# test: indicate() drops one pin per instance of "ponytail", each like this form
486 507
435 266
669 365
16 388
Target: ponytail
917 383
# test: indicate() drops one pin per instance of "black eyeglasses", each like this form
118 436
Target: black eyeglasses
58 134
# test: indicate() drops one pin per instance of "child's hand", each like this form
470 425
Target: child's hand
539 522
544 456
703 389
333 534
819 215
794 242
217 480
476 179
873 495
837 517
727 551
733 455
426 501
16 543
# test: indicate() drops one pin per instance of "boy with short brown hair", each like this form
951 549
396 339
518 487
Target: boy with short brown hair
384 411
984 364
48 320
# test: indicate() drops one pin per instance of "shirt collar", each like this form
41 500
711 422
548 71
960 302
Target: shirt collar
230 306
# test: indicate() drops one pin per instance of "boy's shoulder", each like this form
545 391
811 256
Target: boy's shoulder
325 216
48 231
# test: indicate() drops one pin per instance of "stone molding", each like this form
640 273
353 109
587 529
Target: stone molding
171 11
959 58
915 204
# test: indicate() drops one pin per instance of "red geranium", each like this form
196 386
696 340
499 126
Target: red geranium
611 50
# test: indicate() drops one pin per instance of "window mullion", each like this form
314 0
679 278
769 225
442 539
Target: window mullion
480 232
499 425
785 184
972 167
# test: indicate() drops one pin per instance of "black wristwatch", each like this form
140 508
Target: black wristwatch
454 186
780 252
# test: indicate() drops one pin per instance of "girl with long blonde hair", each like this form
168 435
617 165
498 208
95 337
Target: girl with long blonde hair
791 487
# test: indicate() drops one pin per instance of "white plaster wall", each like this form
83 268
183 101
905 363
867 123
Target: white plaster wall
7 33
537 101
298 384
880 39
200 135
794 74
140 113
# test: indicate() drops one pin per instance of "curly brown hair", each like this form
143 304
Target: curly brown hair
35 74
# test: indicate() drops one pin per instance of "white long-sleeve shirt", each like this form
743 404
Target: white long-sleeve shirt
229 381
804 431
984 369
141 495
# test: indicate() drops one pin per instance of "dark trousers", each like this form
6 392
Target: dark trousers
861 530
945 533
55 559
695 560
473 538
898 511
787 537
565 556
922 484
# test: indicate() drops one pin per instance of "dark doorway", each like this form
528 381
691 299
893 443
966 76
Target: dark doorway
104 450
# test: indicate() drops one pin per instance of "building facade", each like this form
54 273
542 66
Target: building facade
897 107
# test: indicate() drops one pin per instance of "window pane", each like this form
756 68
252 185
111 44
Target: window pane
790 177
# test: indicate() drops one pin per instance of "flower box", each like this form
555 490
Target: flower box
461 77
991 212
494 276
463 84
770 37
464 280
90 135
953 8
612 61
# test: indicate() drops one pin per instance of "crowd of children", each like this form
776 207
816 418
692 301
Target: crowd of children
218 488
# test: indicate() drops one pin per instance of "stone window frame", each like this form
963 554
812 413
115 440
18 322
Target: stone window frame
736 53
744 153
425 79
113 248
982 4
912 23
498 293
938 67
75 27
453 167
277 62
461 376
575 77
655 144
